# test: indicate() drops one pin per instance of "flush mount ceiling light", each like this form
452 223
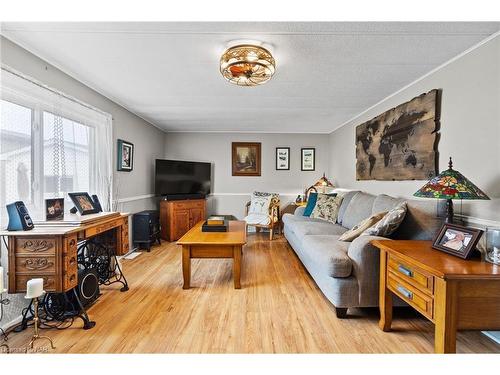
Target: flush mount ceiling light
247 65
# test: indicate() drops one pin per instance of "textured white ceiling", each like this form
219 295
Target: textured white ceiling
168 73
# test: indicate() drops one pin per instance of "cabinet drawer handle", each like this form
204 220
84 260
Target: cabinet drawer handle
72 261
405 292
405 271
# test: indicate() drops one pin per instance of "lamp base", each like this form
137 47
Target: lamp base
449 211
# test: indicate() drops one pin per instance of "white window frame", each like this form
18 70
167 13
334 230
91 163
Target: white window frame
26 92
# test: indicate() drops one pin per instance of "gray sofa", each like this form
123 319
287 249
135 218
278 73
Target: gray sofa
348 272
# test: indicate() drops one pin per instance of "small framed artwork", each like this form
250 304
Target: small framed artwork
125 156
83 203
246 158
308 159
54 209
282 158
457 240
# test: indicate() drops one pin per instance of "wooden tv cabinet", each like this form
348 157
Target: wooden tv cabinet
177 217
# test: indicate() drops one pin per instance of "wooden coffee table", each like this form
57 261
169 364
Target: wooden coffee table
198 244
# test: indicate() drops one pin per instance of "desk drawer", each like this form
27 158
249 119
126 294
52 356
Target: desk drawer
408 293
411 274
39 246
30 264
49 282
188 205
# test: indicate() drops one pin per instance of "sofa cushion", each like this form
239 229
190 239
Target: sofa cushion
359 228
317 228
328 255
385 203
327 207
347 196
359 208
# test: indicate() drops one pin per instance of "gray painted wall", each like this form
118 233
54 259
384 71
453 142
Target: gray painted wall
147 139
230 192
470 130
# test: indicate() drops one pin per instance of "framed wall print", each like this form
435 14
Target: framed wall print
125 156
282 158
457 240
308 159
246 158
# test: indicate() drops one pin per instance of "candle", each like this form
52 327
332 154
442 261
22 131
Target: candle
1 279
34 288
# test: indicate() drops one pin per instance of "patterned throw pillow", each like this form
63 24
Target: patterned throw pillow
327 208
311 203
260 205
389 223
356 231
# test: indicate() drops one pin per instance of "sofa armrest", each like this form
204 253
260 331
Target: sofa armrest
366 268
299 211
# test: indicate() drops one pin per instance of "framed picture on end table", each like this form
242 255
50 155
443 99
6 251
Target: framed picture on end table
457 240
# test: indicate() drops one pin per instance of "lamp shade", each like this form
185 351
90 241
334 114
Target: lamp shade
323 182
450 184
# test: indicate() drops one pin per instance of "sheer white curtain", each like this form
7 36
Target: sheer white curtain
51 144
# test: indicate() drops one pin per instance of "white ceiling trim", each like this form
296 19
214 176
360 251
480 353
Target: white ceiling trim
459 56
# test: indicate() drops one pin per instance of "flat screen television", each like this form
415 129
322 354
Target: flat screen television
182 178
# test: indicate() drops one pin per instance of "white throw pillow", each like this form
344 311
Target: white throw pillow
260 205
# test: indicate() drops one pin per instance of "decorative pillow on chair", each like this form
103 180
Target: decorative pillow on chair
259 205
327 207
258 212
389 223
356 231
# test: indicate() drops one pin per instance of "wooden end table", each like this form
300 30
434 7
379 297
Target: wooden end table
453 293
198 244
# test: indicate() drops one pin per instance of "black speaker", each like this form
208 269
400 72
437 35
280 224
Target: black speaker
19 218
88 286
97 204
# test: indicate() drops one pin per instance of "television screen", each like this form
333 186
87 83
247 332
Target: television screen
182 177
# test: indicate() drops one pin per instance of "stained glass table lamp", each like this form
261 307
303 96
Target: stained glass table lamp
450 184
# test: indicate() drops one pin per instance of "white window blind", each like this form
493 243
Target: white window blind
50 144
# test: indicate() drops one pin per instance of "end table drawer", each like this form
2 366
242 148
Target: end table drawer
408 293
411 274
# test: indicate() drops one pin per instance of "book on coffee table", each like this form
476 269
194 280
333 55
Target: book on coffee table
215 227
215 220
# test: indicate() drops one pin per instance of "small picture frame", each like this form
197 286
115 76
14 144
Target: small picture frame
54 209
83 203
282 158
308 159
125 156
457 240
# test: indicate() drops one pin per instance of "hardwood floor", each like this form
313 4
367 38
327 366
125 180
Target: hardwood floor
278 310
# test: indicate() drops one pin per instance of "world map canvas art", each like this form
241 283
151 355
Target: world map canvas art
401 143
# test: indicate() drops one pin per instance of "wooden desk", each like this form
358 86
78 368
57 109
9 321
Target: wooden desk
50 252
198 244
451 292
